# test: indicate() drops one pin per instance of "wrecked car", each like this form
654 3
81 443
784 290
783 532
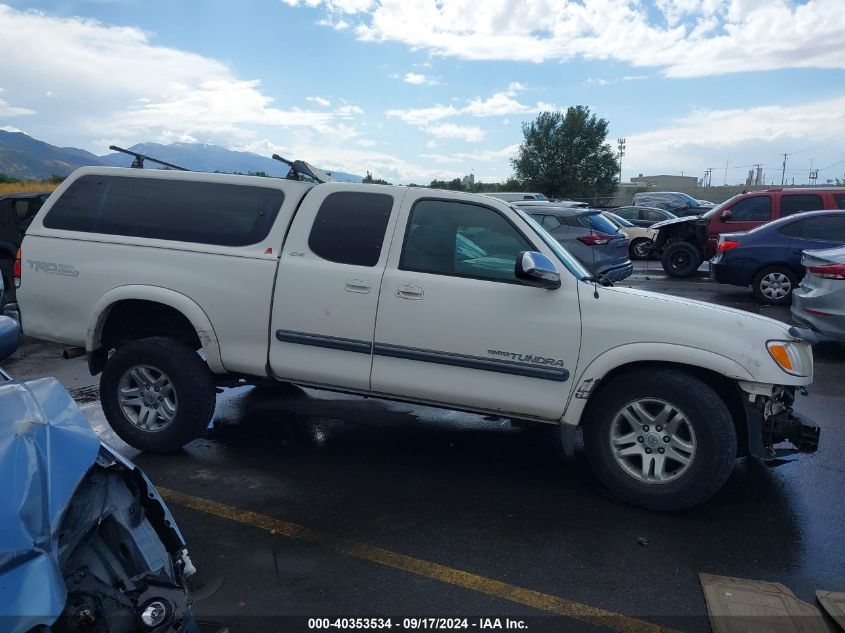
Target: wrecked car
87 542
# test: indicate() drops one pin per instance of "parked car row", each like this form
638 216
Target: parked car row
593 239
762 240
684 243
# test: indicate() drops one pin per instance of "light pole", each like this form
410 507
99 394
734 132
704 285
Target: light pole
621 145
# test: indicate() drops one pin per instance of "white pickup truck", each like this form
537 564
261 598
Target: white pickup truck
175 282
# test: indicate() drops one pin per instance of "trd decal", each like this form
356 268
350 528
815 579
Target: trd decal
50 268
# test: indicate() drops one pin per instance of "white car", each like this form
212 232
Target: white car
642 238
435 297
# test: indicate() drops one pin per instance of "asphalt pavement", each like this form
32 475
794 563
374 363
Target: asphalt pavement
299 503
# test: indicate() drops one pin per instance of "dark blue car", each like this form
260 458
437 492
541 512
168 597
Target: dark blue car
768 258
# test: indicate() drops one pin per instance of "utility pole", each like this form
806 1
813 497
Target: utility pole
783 172
621 145
725 184
708 174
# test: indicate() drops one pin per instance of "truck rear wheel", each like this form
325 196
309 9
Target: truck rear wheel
157 394
681 259
661 439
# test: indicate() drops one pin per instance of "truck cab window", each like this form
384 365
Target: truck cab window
350 227
463 240
754 209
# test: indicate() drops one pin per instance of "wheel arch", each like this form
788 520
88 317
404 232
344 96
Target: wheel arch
718 372
146 300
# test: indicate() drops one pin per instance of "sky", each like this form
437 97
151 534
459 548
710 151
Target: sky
413 90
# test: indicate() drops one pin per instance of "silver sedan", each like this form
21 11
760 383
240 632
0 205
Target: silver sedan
820 299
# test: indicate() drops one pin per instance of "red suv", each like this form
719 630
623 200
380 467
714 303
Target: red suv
682 244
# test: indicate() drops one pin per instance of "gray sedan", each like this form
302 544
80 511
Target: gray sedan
589 236
820 299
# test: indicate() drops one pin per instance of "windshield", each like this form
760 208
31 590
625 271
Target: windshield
572 264
619 221
601 224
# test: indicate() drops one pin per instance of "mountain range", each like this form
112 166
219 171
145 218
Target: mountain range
24 157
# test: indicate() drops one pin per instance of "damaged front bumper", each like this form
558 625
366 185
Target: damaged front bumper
772 422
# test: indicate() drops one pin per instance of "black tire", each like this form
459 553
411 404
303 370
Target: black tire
640 248
713 438
774 285
191 382
681 259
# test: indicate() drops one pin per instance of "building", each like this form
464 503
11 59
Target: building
666 183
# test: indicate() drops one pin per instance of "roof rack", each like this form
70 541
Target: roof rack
301 168
138 162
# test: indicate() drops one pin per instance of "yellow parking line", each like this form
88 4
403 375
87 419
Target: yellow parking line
442 573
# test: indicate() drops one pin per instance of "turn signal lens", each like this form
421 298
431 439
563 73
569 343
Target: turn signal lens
16 271
788 357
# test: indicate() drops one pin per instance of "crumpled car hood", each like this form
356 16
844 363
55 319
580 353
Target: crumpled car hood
46 447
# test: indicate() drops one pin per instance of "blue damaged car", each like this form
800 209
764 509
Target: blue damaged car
86 542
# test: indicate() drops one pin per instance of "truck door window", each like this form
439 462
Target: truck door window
753 209
840 201
797 203
462 240
350 227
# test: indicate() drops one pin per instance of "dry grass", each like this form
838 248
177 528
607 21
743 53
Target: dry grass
25 187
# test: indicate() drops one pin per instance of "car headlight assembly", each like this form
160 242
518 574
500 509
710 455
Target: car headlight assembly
791 357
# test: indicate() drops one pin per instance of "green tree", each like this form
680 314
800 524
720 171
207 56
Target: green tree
566 154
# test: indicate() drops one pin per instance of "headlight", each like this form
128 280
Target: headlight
791 357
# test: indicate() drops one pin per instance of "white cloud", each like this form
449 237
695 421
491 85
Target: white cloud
152 93
414 78
431 144
10 128
469 133
8 110
349 110
365 142
423 116
497 105
598 81
706 138
481 155
319 101
684 38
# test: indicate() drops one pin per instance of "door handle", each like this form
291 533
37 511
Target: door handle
409 292
357 285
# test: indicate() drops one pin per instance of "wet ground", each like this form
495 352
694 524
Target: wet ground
305 503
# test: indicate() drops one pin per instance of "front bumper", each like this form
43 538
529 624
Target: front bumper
727 274
772 422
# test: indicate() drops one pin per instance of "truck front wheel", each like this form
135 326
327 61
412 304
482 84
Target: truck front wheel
681 259
661 439
157 394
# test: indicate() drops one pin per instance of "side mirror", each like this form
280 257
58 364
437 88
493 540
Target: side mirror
10 333
726 214
535 269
